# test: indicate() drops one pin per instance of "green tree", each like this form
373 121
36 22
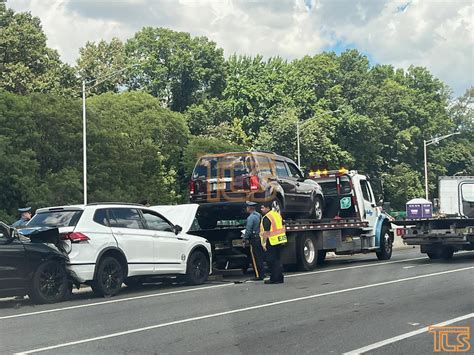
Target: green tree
98 61
26 63
176 68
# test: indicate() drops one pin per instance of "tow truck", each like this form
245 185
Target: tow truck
452 229
353 222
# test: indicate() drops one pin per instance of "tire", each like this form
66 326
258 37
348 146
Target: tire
306 253
445 253
50 283
133 282
277 205
317 209
109 278
386 246
197 269
207 222
321 257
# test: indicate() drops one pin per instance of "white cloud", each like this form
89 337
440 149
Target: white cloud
436 34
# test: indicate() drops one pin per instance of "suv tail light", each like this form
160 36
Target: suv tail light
75 237
192 187
254 183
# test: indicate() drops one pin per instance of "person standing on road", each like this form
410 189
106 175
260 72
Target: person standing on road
252 238
273 236
24 217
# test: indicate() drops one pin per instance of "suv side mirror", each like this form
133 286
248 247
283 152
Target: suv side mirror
177 229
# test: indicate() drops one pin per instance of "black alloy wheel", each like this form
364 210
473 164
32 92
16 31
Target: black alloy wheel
50 283
197 270
109 278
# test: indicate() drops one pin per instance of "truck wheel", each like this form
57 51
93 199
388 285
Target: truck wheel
109 278
321 257
49 283
306 253
197 269
445 253
385 252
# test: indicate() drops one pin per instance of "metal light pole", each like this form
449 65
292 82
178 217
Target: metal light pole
84 140
298 140
84 120
298 135
427 143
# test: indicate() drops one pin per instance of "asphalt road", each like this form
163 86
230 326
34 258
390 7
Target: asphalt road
354 304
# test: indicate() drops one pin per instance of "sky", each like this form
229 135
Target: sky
436 34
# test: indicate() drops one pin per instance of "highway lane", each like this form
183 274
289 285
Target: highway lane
363 301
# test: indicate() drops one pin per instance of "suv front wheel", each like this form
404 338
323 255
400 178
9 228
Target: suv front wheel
197 270
109 278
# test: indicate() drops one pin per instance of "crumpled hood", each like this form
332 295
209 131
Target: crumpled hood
41 234
182 215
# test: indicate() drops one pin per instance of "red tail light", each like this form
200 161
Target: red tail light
192 187
400 232
254 183
75 237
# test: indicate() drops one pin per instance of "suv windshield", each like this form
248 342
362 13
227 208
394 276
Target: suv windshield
224 166
55 219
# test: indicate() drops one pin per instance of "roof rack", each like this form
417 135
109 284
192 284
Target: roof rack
114 203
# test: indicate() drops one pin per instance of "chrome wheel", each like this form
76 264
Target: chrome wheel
318 209
309 251
276 205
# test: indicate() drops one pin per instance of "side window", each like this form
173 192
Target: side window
264 165
155 222
365 191
125 218
281 169
100 216
467 191
294 171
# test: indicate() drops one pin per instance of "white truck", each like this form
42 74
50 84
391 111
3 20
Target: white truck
353 222
452 229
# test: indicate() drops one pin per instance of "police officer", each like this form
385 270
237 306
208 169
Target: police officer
273 236
24 217
252 238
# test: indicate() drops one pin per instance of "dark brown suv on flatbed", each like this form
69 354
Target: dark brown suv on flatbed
221 183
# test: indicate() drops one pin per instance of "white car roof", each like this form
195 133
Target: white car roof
64 208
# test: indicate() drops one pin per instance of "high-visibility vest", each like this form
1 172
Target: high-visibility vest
277 234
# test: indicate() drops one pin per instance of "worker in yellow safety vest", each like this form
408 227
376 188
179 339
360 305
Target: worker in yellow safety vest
273 236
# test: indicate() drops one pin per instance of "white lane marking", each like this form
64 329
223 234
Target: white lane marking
114 301
355 267
409 267
406 335
240 310
414 324
190 290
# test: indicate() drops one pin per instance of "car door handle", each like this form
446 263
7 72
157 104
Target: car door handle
297 184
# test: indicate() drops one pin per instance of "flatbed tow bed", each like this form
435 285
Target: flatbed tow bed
308 242
439 237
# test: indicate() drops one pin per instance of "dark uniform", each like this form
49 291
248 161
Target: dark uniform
22 222
253 237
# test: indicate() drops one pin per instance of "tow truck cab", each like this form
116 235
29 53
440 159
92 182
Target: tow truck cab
350 195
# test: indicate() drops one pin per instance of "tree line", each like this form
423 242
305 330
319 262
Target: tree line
179 97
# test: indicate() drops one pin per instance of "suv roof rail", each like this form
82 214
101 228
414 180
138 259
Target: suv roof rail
114 203
263 151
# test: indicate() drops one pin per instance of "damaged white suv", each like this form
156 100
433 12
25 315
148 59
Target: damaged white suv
110 244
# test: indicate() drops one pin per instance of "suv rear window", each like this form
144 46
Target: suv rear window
225 166
55 219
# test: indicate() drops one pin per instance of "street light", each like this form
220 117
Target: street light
426 143
84 133
298 135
